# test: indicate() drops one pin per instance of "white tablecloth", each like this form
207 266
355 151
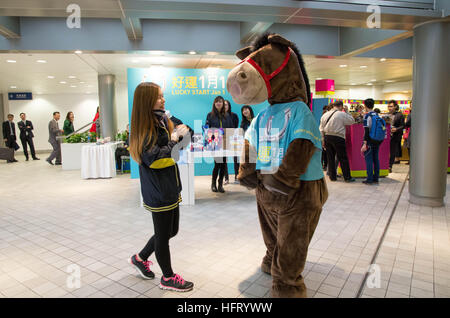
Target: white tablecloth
98 161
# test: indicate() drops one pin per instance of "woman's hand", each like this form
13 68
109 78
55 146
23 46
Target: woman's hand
363 148
182 130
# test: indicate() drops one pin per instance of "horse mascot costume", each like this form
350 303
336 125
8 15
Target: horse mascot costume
281 157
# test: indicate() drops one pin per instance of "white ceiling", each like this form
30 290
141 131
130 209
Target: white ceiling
30 76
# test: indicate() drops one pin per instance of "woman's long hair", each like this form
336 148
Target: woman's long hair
214 111
143 120
68 115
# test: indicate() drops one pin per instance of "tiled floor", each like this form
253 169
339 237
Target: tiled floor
51 219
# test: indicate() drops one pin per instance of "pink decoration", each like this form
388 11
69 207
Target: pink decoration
325 85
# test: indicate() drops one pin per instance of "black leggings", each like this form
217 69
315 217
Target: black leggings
166 226
220 165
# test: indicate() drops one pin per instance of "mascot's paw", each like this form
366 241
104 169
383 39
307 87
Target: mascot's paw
265 268
280 290
249 181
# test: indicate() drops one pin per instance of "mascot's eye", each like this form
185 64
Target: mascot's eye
243 75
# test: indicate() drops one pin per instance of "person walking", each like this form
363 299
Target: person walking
9 136
217 118
53 132
152 142
68 124
374 134
408 135
26 136
332 127
397 126
234 119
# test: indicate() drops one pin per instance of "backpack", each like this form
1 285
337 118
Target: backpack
378 130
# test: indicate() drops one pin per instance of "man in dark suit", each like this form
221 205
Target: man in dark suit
26 136
9 135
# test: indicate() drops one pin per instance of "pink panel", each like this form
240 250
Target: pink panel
325 85
354 138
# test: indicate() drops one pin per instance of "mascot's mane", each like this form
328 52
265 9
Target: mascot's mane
263 40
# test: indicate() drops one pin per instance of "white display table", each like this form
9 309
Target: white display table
71 155
98 161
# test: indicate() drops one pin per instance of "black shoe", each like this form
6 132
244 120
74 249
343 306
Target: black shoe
26 159
367 182
390 170
58 163
213 187
396 162
176 283
36 158
143 268
333 179
220 188
15 160
350 180
49 161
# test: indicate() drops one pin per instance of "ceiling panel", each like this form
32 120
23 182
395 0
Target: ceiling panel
29 75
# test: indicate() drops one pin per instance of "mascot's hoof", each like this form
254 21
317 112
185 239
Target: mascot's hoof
280 290
265 268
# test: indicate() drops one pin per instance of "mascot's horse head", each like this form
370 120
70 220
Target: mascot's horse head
271 69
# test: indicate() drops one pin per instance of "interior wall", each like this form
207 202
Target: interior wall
121 111
40 109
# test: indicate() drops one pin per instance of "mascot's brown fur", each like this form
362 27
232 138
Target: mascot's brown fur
289 212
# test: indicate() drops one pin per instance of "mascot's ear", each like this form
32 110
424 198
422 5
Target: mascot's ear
278 39
244 52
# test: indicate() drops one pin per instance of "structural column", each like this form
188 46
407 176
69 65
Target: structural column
429 118
107 100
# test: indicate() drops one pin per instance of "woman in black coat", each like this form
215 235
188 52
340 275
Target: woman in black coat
217 118
234 124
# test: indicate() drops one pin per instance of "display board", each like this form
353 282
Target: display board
189 95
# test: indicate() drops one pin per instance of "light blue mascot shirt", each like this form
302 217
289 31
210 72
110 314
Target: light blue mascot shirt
274 128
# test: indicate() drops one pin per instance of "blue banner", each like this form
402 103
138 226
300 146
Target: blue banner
189 95
20 96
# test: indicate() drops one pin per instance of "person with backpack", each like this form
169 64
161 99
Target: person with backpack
374 134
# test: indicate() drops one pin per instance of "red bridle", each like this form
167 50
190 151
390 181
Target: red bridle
265 76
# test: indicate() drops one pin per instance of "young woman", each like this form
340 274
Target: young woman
68 124
217 119
247 117
152 139
234 121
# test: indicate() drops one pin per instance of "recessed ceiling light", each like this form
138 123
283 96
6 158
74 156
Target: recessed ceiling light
89 86
78 52
11 61
88 92
319 78
370 84
373 80
81 82
71 76
212 53
382 60
343 65
135 61
73 86
13 86
352 84
192 52
363 66
405 91
62 82
50 76
41 61
390 81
